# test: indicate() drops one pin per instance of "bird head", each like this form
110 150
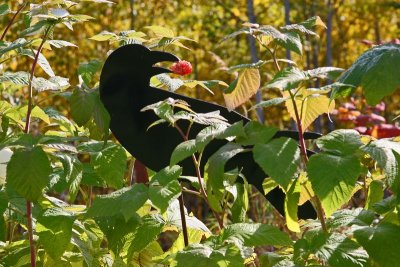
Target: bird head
130 67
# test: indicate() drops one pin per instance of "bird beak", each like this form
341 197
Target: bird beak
159 56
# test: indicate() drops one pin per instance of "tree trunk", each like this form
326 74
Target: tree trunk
254 57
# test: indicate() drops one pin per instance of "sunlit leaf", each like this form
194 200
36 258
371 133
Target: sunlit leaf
247 85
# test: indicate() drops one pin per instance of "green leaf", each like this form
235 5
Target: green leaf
172 84
269 103
256 133
82 105
60 43
182 151
218 131
29 180
340 142
73 171
279 159
145 257
247 85
164 187
256 65
215 166
17 78
287 78
241 204
255 234
347 218
338 250
173 217
161 31
375 193
4 9
125 201
110 165
386 154
376 72
89 69
291 206
147 231
290 41
333 178
19 43
54 228
386 205
55 83
101 117
380 243
204 255
41 61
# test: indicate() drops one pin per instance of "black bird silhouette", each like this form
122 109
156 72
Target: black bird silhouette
125 90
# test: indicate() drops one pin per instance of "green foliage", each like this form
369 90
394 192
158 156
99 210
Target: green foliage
375 71
67 169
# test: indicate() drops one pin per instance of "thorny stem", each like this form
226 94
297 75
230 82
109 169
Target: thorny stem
199 178
26 130
12 21
303 149
183 218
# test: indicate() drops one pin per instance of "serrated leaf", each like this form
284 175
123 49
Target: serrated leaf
4 9
310 107
255 234
386 154
125 201
73 171
279 159
375 193
182 151
313 22
247 85
89 69
54 228
347 218
82 105
291 206
41 61
338 250
204 255
256 65
18 78
290 41
269 103
110 165
379 243
287 78
341 142
218 131
30 180
256 133
333 178
55 83
173 217
241 204
104 36
164 187
161 31
376 72
172 83
147 231
60 43
19 43
215 166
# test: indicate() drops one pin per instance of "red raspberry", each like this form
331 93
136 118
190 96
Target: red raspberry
182 67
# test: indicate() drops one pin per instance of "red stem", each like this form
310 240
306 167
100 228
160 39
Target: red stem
30 232
12 21
183 218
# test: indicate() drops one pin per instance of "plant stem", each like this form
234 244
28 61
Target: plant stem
30 232
199 178
303 152
26 130
303 149
183 218
12 21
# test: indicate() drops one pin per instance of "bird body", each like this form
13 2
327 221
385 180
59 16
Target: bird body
125 91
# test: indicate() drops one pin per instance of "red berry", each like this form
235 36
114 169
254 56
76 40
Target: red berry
182 67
